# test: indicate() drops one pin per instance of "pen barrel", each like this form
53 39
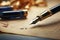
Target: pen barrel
55 9
47 14
52 11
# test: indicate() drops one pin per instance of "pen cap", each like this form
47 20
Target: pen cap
5 8
55 9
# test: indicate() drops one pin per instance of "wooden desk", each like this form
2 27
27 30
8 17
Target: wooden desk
48 28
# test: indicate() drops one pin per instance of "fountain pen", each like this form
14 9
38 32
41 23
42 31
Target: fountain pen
46 14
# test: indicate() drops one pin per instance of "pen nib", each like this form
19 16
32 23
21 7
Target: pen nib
35 20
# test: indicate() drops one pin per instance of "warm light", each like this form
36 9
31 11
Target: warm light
38 1
5 3
18 3
27 6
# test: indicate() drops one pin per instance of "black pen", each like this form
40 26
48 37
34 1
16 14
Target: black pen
46 14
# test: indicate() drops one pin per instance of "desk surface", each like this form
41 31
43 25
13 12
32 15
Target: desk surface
48 28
